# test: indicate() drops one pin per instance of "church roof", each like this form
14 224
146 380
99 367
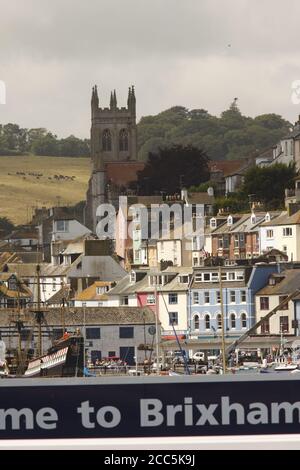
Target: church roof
122 173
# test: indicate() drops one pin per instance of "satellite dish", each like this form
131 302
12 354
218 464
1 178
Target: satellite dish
152 330
2 351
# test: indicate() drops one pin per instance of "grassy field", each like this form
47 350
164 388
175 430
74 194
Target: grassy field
37 185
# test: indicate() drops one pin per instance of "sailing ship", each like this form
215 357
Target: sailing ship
64 359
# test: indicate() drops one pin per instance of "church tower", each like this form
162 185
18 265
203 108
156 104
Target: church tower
113 140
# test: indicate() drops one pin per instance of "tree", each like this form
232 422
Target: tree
268 184
170 166
46 145
231 136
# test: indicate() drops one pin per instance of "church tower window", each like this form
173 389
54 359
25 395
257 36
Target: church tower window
123 140
106 140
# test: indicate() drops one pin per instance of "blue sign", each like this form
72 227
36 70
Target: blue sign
149 406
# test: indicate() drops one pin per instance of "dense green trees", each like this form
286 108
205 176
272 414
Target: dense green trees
17 141
170 167
231 136
266 185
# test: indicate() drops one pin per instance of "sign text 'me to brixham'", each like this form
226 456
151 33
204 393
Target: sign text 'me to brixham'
153 414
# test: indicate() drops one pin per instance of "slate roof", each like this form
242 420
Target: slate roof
284 219
290 283
92 316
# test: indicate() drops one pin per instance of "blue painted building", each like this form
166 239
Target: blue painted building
239 285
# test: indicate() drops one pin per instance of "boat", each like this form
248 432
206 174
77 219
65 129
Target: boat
286 367
63 359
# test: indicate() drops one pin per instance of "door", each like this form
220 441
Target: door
127 355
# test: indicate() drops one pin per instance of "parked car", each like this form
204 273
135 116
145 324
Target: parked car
199 356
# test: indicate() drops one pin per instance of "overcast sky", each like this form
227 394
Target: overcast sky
195 53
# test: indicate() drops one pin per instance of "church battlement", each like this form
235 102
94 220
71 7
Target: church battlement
113 109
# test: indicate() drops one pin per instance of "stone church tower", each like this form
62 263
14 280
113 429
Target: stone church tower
113 140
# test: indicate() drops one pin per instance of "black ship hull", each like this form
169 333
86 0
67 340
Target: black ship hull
65 359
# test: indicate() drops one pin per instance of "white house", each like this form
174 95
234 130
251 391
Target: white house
282 233
68 229
278 288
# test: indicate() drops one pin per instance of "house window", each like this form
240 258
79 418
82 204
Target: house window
218 297
173 318
232 296
243 296
173 299
206 277
207 322
220 242
284 324
62 225
151 299
215 277
133 276
26 334
236 241
265 327
232 321
231 276
126 332
111 353
137 255
198 277
244 320
240 276
219 321
196 298
196 322
264 303
184 279
286 304
242 240
96 356
206 298
213 223
226 242
123 140
93 333
287 231
270 233
106 140
125 300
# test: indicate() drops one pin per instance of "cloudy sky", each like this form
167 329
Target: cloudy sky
195 53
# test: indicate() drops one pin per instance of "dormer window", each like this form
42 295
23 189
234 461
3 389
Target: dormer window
272 281
133 276
267 217
184 279
213 223
253 219
229 220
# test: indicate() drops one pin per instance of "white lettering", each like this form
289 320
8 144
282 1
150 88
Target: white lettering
47 418
207 415
115 417
151 408
234 407
258 415
85 410
288 410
